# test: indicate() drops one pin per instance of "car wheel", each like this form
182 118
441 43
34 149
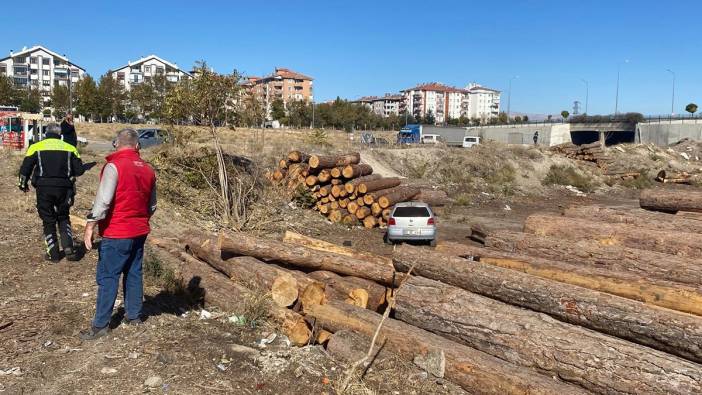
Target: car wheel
432 243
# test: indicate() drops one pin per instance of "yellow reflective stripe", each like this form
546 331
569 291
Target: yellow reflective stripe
52 145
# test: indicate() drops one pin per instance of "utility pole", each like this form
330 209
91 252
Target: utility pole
587 93
616 98
672 100
509 97
312 127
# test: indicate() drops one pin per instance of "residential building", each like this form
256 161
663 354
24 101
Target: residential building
40 68
146 68
481 102
284 84
441 100
384 106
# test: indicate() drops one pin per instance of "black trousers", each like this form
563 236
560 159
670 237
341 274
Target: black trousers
54 204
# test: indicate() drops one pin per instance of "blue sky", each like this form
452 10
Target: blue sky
372 47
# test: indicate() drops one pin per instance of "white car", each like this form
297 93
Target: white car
411 221
469 141
432 139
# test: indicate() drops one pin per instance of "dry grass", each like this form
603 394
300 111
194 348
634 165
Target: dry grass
567 175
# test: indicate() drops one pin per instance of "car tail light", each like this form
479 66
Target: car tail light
431 221
391 221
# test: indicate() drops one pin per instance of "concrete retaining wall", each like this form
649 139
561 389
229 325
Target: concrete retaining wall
549 134
666 133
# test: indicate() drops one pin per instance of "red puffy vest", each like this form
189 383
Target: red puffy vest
129 215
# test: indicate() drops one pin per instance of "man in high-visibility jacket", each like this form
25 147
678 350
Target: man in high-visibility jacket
52 166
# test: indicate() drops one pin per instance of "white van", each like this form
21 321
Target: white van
470 141
431 139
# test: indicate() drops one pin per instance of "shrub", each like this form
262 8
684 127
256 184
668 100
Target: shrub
566 175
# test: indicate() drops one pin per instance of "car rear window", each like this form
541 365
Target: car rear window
411 212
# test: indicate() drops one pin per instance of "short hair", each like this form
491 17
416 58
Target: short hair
127 138
53 128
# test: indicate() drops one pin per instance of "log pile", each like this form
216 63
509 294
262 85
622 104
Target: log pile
345 190
528 313
596 154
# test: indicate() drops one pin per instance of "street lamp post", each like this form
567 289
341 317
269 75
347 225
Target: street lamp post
312 126
587 93
672 100
509 97
616 98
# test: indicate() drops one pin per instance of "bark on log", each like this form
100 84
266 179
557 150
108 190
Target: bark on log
630 261
473 370
353 171
433 197
534 340
671 201
403 194
327 162
625 318
351 185
676 243
300 256
321 245
347 284
297 156
376 185
639 217
369 198
348 346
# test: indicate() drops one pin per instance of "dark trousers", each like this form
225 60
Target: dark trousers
54 204
119 257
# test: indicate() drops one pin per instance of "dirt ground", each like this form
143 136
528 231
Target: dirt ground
44 306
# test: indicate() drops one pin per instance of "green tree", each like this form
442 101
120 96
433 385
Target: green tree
517 119
86 94
502 118
299 114
110 98
9 95
691 108
31 101
565 114
60 100
429 118
278 110
525 118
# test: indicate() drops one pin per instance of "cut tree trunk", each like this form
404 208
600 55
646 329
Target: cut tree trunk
671 200
376 185
310 180
350 220
321 245
473 370
347 284
369 198
370 222
336 172
403 194
351 185
328 162
325 190
343 203
337 215
325 208
297 156
674 296
639 217
283 164
635 262
301 256
533 340
352 207
353 171
376 210
433 197
336 190
324 176
676 243
363 212
628 319
279 174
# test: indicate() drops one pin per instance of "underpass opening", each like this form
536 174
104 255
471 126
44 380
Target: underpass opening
611 137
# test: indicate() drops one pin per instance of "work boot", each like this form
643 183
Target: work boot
94 333
134 322
52 249
67 240
71 254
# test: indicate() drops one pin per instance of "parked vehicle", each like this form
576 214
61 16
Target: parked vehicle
432 139
470 141
411 221
452 136
152 137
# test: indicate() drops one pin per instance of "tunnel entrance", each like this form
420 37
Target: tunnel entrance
611 138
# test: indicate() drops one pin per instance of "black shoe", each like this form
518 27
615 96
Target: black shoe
94 333
71 254
52 257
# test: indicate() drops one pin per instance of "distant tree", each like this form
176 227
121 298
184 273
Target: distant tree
501 119
565 114
278 109
110 98
549 117
9 95
60 100
86 93
517 119
31 101
430 119
525 119
299 114
691 108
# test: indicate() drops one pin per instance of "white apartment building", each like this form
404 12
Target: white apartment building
481 102
40 68
144 69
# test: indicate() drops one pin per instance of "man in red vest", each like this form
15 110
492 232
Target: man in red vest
125 201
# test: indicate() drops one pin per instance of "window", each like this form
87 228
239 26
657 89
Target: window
147 69
120 76
20 70
46 61
3 69
411 212
21 60
33 60
46 82
45 72
159 70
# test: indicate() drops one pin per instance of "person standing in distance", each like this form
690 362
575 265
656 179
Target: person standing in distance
124 204
68 130
52 165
